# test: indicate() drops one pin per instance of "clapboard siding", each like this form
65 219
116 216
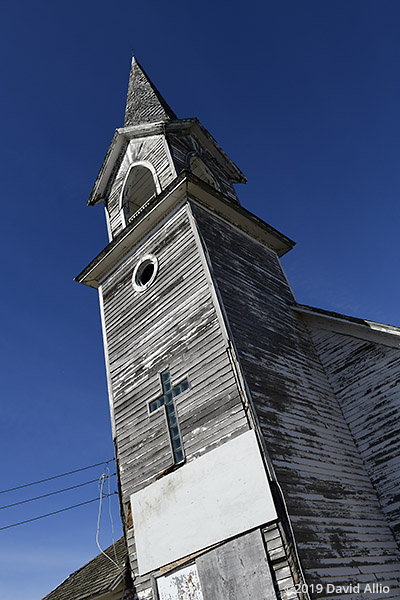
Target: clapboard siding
282 564
181 146
276 549
173 325
330 498
152 149
365 376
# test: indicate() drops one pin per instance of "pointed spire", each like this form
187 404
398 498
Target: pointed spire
144 103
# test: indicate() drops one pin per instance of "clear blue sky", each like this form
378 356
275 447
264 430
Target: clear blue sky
304 97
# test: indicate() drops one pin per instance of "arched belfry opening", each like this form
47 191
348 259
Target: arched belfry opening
140 186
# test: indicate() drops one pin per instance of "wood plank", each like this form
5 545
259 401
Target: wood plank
237 570
366 379
331 501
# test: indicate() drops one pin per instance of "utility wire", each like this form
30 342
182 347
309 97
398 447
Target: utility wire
19 487
110 514
55 512
101 484
73 487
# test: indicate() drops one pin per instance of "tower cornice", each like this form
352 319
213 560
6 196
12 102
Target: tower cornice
186 187
191 126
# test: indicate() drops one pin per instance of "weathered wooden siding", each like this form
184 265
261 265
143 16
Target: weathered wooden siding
280 563
181 146
151 149
341 532
237 570
173 325
366 379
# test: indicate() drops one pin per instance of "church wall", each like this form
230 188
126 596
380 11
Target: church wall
365 376
152 149
172 325
277 581
281 567
341 533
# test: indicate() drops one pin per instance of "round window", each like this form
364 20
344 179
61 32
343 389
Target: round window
145 272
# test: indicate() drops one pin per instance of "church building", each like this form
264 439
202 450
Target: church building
256 439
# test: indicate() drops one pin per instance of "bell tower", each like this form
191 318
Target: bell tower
222 415
194 479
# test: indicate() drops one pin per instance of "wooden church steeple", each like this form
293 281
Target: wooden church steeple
152 149
235 459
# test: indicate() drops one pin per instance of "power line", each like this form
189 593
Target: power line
55 512
19 487
101 484
51 493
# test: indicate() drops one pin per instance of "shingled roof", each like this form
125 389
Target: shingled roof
97 577
144 103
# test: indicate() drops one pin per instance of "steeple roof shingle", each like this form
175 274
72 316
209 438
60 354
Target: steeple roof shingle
144 103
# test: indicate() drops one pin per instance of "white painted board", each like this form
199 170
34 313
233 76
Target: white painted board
183 584
214 497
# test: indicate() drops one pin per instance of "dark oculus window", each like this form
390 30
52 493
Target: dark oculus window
144 273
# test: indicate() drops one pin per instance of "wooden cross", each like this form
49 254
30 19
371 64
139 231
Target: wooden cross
167 400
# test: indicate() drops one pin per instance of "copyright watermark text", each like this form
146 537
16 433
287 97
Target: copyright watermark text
331 588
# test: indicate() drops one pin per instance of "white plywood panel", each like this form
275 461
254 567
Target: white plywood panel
183 584
215 497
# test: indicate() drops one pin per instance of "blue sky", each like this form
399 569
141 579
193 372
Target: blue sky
304 97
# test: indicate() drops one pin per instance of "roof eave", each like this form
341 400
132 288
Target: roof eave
206 137
97 194
193 126
185 187
347 325
121 136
